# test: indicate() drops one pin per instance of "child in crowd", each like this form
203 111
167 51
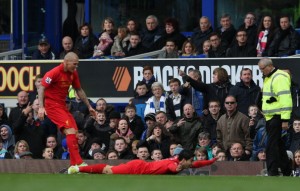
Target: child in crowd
104 46
156 155
215 148
221 155
143 153
175 101
4 154
295 143
111 155
296 171
120 42
48 153
201 154
96 143
141 95
206 48
136 124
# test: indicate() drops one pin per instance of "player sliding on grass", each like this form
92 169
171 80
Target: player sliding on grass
54 90
167 166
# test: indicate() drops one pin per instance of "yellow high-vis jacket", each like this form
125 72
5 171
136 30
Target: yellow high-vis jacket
277 98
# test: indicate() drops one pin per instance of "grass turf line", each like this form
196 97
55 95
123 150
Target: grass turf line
88 182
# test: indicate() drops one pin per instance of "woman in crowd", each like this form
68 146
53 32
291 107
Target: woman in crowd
21 147
188 49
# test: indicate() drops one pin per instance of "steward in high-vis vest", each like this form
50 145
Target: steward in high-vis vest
277 108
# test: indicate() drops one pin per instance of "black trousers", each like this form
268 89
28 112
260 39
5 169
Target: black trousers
275 152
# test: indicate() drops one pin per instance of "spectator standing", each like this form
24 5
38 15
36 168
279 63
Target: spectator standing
277 107
157 101
286 39
246 91
201 33
136 124
233 127
15 113
141 95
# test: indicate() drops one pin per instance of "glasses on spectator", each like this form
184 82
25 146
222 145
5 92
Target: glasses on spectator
229 102
262 68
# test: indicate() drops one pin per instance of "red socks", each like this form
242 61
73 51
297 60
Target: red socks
95 168
75 158
201 163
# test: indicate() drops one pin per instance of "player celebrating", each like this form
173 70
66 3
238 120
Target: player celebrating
54 90
167 166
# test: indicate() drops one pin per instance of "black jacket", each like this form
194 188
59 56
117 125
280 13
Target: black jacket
199 37
241 51
130 51
220 52
251 34
245 96
227 36
85 50
176 36
285 43
149 38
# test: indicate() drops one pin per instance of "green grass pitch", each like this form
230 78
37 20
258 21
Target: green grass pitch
88 182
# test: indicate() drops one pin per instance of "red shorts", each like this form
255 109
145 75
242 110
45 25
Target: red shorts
60 116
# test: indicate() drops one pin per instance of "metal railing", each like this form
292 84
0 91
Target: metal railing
12 55
153 54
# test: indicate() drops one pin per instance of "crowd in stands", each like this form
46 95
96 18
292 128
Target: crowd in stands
253 38
213 120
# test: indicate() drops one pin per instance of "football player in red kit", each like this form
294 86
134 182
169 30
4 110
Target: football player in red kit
167 166
52 96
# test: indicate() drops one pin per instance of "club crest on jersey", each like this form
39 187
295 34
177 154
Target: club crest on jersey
48 80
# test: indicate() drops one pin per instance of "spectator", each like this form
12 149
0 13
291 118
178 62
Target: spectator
296 170
30 130
170 50
201 33
140 98
134 147
77 105
37 83
172 148
136 124
159 140
161 117
98 154
122 131
157 101
48 153
104 46
98 128
286 39
216 148
172 33
135 46
51 142
114 118
21 147
205 49
188 49
295 143
121 147
156 155
83 143
85 43
221 155
237 152
151 33
241 48
261 155
101 105
216 50
233 127
149 120
8 139
3 115
188 128
246 91
143 153
120 42
67 44
175 101
256 120
266 32
4 154
210 120
15 113
148 78
108 26
132 26
200 154
95 144
193 96
204 141
226 30
44 51
112 155
250 27
218 89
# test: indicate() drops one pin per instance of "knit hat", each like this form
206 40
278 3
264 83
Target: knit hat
150 116
98 151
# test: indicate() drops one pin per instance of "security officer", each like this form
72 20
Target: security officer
277 107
